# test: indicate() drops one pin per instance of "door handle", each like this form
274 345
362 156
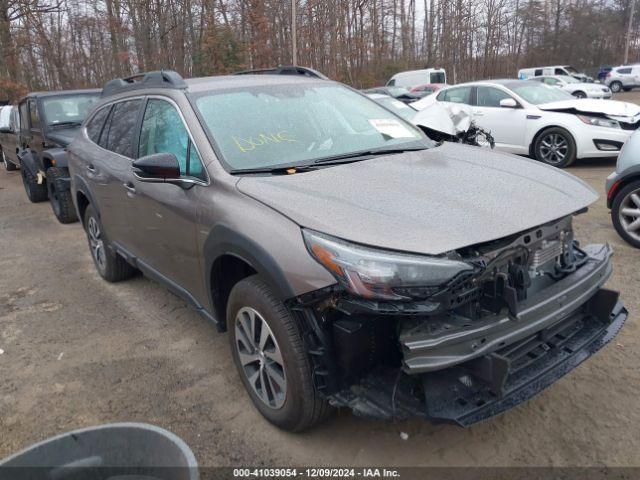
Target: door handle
129 187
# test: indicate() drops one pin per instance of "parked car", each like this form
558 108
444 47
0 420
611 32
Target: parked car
623 192
575 87
623 78
396 106
399 93
48 122
404 296
530 118
428 88
413 78
9 127
527 73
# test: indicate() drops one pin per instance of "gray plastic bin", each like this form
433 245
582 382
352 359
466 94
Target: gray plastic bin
119 451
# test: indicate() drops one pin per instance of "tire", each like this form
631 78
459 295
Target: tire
61 201
624 202
556 147
111 266
579 94
289 398
627 89
8 165
35 192
615 87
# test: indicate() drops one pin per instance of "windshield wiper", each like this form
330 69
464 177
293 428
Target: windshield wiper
275 170
363 155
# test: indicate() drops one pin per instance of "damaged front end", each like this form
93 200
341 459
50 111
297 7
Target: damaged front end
460 337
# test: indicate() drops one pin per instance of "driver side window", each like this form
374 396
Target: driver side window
490 97
164 132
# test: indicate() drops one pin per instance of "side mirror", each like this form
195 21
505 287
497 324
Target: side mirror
157 167
508 103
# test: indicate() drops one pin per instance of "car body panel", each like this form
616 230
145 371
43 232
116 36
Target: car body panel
9 140
414 197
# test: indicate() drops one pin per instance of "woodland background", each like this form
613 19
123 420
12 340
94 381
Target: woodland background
73 43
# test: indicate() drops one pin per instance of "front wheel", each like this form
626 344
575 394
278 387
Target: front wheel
625 213
579 94
556 147
61 199
267 348
111 266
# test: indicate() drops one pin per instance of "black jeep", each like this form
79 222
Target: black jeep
48 123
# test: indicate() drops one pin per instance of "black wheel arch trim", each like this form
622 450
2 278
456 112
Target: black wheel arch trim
222 240
29 160
81 186
57 155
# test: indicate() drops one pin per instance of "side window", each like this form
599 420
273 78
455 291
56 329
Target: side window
392 82
538 72
163 131
122 127
94 126
490 97
551 81
560 71
457 95
33 114
624 71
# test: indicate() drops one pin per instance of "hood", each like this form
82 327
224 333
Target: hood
62 136
429 202
610 108
450 119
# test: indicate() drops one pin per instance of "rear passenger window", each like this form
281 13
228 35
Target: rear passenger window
164 132
94 126
122 126
538 72
624 71
24 116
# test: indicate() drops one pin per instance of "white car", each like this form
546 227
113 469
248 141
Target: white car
549 124
575 87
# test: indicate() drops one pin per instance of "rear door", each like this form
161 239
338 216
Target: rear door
164 214
507 125
109 170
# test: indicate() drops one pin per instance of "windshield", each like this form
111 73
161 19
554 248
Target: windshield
68 109
295 124
537 93
437 77
396 106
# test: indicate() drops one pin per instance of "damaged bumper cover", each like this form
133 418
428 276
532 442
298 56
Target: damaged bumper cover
465 373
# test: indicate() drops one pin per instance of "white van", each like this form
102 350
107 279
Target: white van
568 70
415 78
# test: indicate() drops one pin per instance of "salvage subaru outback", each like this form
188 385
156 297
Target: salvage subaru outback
353 262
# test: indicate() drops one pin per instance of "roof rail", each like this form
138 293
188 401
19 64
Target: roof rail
285 70
157 79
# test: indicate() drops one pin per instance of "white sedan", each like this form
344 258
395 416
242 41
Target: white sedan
549 124
575 87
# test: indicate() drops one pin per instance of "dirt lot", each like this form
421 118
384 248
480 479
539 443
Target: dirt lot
79 352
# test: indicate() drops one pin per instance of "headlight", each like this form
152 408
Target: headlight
382 274
599 121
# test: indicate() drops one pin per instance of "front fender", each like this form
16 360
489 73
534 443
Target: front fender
29 160
222 240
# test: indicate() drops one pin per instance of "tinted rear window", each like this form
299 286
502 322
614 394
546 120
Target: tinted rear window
122 126
624 70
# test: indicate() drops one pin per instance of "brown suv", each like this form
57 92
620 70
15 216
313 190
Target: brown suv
353 261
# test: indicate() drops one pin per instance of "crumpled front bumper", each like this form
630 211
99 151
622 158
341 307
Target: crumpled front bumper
471 373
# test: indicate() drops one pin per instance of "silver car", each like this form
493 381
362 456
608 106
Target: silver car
623 78
623 192
353 262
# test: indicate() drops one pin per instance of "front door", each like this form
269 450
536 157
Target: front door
164 215
507 125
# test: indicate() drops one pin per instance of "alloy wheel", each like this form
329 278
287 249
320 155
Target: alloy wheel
629 214
260 357
554 148
96 243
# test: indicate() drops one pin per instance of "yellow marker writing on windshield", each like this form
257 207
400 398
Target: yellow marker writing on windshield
251 143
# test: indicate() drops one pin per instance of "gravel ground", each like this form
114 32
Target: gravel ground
80 352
